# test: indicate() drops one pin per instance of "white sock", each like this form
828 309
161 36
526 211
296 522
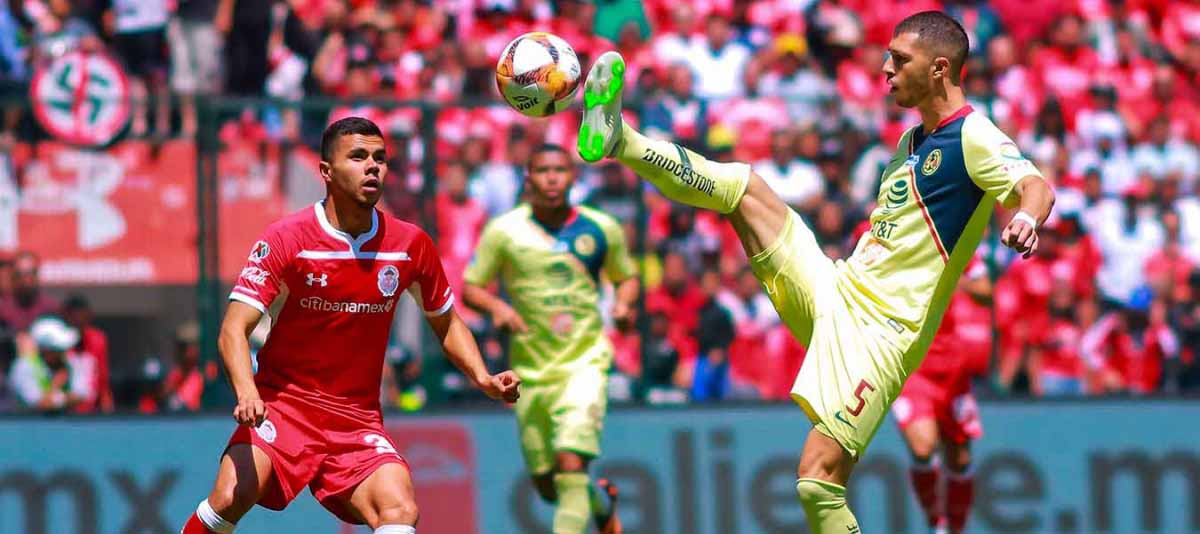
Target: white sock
212 520
396 529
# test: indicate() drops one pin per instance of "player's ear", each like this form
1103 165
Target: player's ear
940 68
326 170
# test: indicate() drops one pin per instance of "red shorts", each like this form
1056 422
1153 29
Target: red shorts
950 403
331 453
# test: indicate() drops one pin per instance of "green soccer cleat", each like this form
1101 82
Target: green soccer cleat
601 126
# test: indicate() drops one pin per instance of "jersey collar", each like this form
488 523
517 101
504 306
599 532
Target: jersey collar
919 136
355 243
962 112
568 222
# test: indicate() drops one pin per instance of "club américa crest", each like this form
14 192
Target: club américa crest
932 162
389 280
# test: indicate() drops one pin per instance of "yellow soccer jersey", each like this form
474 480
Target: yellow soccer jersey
935 200
553 280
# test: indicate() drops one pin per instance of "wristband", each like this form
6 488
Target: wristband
1022 216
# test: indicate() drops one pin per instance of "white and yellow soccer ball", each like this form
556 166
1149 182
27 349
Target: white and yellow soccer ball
538 74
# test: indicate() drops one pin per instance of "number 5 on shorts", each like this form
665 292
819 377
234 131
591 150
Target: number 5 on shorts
381 444
858 392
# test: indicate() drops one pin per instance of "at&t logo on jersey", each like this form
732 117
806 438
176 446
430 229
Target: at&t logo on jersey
389 280
260 251
897 194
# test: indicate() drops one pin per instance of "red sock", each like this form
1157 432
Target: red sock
194 526
960 491
925 483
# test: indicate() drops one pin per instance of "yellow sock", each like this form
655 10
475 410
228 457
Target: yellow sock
573 511
825 506
682 175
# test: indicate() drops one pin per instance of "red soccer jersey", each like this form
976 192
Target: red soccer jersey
953 355
339 295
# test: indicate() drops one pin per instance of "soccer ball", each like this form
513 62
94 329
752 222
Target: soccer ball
538 74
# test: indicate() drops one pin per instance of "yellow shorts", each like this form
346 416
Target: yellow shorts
565 415
853 368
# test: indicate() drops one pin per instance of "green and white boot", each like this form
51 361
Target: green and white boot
600 131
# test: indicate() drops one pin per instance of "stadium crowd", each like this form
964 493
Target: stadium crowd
1103 95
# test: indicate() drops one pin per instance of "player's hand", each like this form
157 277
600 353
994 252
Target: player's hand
505 386
1020 236
251 411
507 318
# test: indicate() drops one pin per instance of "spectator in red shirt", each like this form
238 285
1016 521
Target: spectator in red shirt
1180 27
682 298
27 301
460 222
183 387
678 114
1055 365
1065 67
1126 349
753 319
1168 269
1023 296
93 344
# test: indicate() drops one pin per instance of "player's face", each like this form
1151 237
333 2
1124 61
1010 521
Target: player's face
358 168
551 175
909 70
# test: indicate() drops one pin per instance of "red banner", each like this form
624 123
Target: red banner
127 215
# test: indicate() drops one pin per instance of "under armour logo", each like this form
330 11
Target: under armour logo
323 279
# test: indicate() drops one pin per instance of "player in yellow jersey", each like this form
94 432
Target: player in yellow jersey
867 320
552 257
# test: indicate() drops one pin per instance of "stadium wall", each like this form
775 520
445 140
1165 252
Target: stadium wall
1063 467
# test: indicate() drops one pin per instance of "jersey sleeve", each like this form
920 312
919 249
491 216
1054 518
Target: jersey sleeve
430 287
618 265
994 161
489 253
261 279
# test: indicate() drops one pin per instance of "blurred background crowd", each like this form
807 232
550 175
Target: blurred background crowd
1104 95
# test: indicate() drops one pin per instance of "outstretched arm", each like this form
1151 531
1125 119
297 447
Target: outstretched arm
503 316
234 344
625 301
459 345
1037 198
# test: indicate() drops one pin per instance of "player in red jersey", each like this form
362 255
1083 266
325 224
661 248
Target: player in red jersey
936 407
331 275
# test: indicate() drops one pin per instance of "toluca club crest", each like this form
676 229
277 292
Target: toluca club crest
389 280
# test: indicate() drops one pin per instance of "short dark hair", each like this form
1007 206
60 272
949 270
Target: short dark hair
943 36
544 148
346 126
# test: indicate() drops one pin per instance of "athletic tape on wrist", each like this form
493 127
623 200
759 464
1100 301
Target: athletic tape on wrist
1022 216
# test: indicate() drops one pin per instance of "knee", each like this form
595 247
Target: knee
922 448
398 513
818 494
958 459
231 501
